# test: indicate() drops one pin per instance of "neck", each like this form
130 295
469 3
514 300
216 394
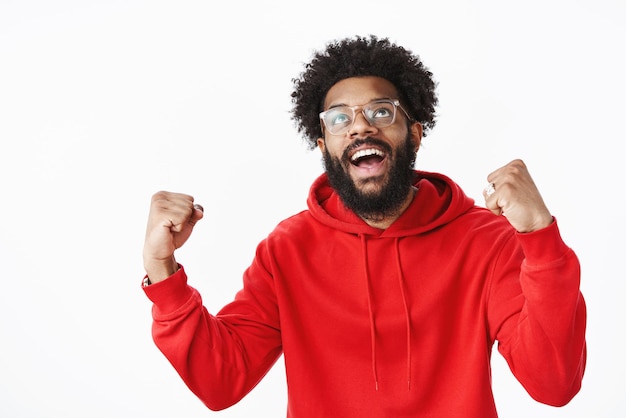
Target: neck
384 221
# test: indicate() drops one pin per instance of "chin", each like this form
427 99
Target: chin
370 188
370 184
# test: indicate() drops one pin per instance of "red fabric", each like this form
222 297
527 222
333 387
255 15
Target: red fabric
386 323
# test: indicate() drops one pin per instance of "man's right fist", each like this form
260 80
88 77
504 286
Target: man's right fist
170 223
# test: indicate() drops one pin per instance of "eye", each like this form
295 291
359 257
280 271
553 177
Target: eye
380 111
338 117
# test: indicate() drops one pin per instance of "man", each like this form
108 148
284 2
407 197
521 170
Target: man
386 295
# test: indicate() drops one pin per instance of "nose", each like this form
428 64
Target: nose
361 126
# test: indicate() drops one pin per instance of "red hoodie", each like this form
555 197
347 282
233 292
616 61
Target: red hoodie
386 323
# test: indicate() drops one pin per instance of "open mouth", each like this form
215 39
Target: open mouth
368 157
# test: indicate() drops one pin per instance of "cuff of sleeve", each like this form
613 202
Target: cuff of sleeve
171 293
543 246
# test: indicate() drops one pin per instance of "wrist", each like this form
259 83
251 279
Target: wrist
159 270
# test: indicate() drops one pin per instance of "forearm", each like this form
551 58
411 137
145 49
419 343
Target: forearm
216 359
544 341
547 351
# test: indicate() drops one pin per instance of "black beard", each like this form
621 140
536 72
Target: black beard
379 204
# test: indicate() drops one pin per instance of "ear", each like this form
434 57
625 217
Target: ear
416 131
321 143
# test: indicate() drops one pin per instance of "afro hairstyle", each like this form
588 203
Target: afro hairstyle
356 57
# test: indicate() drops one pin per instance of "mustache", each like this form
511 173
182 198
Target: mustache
366 141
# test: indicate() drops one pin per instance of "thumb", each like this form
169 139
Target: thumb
198 213
182 232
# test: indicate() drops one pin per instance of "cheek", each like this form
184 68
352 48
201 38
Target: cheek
332 147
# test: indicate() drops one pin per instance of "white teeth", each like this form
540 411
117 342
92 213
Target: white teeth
366 153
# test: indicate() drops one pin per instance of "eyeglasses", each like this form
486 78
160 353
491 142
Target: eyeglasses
379 113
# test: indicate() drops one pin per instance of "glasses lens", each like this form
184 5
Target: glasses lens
338 119
381 113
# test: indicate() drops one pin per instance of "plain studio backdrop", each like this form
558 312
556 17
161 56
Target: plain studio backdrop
103 103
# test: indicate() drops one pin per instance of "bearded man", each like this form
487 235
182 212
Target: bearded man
387 295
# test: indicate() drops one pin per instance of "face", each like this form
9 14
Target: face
370 167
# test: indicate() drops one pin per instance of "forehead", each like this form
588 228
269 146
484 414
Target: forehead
359 90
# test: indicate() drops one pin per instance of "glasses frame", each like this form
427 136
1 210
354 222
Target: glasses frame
395 102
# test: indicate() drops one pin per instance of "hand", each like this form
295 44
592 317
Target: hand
515 196
170 223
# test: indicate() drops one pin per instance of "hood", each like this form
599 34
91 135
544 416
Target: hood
438 201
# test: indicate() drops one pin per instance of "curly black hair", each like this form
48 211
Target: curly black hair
361 56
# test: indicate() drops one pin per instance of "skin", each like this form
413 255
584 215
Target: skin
170 223
173 216
516 196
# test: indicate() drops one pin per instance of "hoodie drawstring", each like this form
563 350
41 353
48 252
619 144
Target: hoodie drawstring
401 282
406 313
371 310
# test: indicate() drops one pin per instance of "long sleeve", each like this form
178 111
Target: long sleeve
220 357
538 315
